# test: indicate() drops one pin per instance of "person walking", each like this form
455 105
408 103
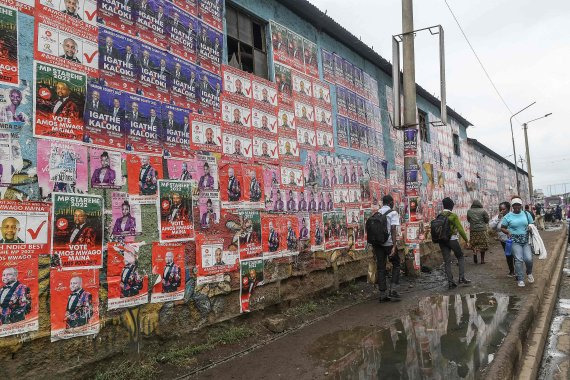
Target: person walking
515 226
527 209
479 239
495 224
539 216
453 245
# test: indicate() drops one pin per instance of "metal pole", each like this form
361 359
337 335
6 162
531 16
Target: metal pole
529 169
515 156
409 63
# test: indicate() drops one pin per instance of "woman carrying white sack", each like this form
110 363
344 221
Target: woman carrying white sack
516 226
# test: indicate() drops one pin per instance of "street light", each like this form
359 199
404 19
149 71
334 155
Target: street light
530 188
514 150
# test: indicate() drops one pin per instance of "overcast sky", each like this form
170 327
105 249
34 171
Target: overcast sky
525 46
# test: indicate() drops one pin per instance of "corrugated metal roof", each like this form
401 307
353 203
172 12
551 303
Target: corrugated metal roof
493 154
324 23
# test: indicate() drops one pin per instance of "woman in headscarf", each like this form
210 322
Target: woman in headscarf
478 238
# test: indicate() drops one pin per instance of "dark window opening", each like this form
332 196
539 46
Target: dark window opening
456 148
424 129
247 50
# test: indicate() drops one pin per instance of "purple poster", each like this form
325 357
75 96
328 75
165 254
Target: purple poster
150 19
210 48
181 33
104 112
175 131
117 15
342 131
154 73
118 60
184 87
341 101
328 65
354 129
210 88
143 124
210 12
338 69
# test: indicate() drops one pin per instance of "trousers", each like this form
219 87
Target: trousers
382 254
446 248
510 260
523 255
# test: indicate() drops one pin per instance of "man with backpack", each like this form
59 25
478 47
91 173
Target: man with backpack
445 229
381 229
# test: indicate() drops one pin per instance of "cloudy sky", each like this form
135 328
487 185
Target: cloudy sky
525 46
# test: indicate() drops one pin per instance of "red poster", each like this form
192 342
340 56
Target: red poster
252 175
280 235
175 220
237 84
25 227
232 192
317 232
168 265
143 173
249 233
206 134
127 282
74 303
216 254
264 92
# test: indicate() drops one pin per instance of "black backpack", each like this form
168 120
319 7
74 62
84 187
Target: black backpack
377 228
440 229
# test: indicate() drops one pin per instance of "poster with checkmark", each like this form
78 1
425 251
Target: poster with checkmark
25 227
264 91
206 134
80 13
236 83
265 149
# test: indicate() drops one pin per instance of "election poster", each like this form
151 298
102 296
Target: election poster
323 118
210 11
127 282
80 13
304 114
59 99
104 117
24 227
175 132
317 232
19 290
62 167
236 113
209 92
310 170
338 69
183 170
190 6
65 45
302 203
117 15
271 183
143 173
251 276
283 80
9 69
215 252
207 172
325 140
118 60
175 219
237 144
322 93
273 241
210 48
304 223
292 176
265 149
182 33
185 85
77 233
252 175
412 170
264 92
306 137
289 232
143 124
15 105
232 192
328 66
279 39
264 120
302 87
358 234
168 265
237 83
74 303
206 134
154 74
410 142
332 230
295 51
311 62
150 22
352 216
105 168
249 233
126 215
209 208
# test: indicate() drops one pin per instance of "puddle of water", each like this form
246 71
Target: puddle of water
445 337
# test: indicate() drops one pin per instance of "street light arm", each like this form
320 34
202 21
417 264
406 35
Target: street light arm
514 150
538 118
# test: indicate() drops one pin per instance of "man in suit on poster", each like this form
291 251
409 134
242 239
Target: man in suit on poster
273 240
171 277
79 309
147 177
234 187
64 106
15 298
178 211
82 233
291 237
71 8
10 230
131 281
70 50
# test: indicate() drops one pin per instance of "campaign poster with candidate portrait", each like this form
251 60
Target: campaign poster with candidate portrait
24 227
358 234
118 60
143 173
175 219
59 99
283 80
117 15
360 109
66 45
289 228
292 177
150 22
232 191
354 131
304 114
311 61
304 234
264 92
154 74
210 11
184 87
237 83
77 232
272 240
265 149
206 134
302 87
206 172
331 227
74 11
9 69
325 140
126 215
264 120
74 303
181 33
168 266
183 170
210 47
104 116
127 282
288 148
237 144
210 90
358 83
253 185
18 170
251 276
249 233
352 216
280 41
62 167
209 208
306 137
271 183
105 168
348 70
143 124
295 51
190 6
317 233
175 131
19 292
328 66
236 113
216 253
323 118
322 93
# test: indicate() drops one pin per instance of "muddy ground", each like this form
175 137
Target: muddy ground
349 334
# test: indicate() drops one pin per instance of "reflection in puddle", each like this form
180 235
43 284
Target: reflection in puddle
445 337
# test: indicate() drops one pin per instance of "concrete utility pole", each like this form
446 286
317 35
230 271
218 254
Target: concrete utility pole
409 77
514 149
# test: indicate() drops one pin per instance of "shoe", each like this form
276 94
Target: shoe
521 284
464 281
452 285
530 278
475 259
395 296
